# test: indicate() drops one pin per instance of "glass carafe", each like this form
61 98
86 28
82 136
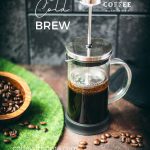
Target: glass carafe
88 85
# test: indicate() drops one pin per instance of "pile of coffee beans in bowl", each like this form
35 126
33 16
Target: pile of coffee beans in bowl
11 98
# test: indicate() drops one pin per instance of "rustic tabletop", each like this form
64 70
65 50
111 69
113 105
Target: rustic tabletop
125 116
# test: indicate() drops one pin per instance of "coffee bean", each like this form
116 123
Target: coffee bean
103 140
12 88
6 133
127 134
138 140
96 142
9 109
9 83
133 141
139 136
128 140
16 102
43 123
123 139
134 145
18 95
1 85
10 104
132 136
17 92
122 134
13 136
103 137
20 102
13 132
82 146
17 106
108 135
7 141
31 126
45 130
5 87
15 98
8 95
83 143
115 135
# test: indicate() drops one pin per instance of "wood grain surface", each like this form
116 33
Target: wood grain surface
125 116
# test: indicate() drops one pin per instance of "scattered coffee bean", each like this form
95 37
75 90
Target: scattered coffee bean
108 135
134 145
127 134
139 140
6 133
123 139
43 123
103 140
83 143
122 134
14 136
139 136
128 140
96 142
31 126
133 141
82 146
115 135
103 137
132 136
13 132
7 141
45 130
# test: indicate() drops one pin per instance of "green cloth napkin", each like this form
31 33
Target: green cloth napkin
45 106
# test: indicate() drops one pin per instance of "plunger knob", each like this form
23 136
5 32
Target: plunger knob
90 2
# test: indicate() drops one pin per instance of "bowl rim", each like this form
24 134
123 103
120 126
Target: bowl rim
27 96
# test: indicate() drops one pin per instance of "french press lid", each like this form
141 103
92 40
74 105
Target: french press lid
100 50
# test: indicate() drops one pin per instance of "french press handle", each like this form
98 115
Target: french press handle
124 88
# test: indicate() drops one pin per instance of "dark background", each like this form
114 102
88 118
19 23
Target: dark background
128 31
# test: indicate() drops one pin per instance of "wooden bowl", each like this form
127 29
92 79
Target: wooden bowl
25 91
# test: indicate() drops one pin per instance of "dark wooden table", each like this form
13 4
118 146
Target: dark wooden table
125 116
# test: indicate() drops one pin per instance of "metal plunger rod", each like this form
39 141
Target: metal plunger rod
90 4
90 25
89 42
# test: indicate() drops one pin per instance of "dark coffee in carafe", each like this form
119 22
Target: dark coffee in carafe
88 104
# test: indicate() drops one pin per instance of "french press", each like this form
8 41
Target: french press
89 61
